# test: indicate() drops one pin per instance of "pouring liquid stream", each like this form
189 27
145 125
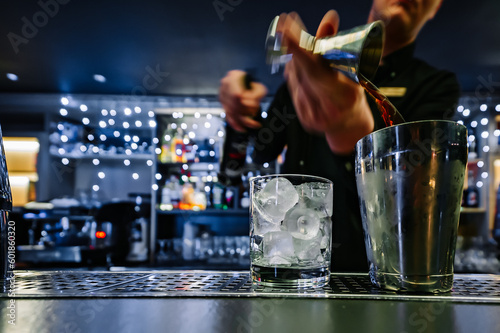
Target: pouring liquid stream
387 110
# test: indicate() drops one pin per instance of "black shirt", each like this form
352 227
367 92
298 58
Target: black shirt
418 91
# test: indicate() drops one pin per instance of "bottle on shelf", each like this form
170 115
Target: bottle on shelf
218 196
472 138
471 192
496 224
166 143
177 147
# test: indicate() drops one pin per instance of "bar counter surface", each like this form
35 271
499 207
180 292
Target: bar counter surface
226 301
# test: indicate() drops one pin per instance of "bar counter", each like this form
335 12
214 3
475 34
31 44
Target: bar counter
226 301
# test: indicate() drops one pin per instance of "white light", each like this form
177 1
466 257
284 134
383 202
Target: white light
85 121
152 123
158 176
102 124
149 163
496 132
63 112
116 134
83 108
211 153
167 137
102 137
95 149
151 114
197 115
207 124
185 178
64 138
484 175
126 124
180 115
154 187
223 115
135 175
135 138
127 111
220 134
83 148
184 126
61 151
185 141
211 141
90 137
104 112
266 165
483 107
95 188
96 161
480 164
191 135
31 146
472 138
497 108
207 188
64 101
484 121
12 76
466 113
473 124
101 175
209 178
185 167
156 141
264 114
137 109
99 78
111 122
134 146
486 149
112 113
126 162
174 125
138 123
128 152
461 122
209 116
485 135
174 114
479 184
460 108
19 181
157 151
178 152
126 138
65 161
60 127
210 167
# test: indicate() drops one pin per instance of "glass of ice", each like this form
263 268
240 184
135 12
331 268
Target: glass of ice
290 230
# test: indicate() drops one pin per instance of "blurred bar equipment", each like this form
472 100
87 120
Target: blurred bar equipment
5 208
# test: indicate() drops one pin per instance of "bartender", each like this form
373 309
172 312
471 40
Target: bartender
319 114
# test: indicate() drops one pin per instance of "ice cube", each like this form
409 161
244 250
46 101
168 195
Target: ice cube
275 199
278 244
307 250
317 196
302 222
262 226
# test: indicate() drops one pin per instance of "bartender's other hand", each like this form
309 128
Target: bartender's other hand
240 104
326 101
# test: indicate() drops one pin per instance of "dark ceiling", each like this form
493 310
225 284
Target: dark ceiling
184 47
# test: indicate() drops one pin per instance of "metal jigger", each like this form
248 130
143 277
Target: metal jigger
353 52
5 208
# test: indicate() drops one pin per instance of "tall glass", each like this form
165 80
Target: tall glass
290 230
410 179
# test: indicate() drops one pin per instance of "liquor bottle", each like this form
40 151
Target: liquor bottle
166 142
472 138
472 197
218 196
177 147
189 153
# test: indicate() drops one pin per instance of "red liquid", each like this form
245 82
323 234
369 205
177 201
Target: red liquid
387 110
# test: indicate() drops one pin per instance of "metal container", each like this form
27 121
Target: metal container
7 233
410 181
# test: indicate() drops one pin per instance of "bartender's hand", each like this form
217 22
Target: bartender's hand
241 104
326 100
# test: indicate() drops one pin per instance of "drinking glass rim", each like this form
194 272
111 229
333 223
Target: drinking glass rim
275 175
